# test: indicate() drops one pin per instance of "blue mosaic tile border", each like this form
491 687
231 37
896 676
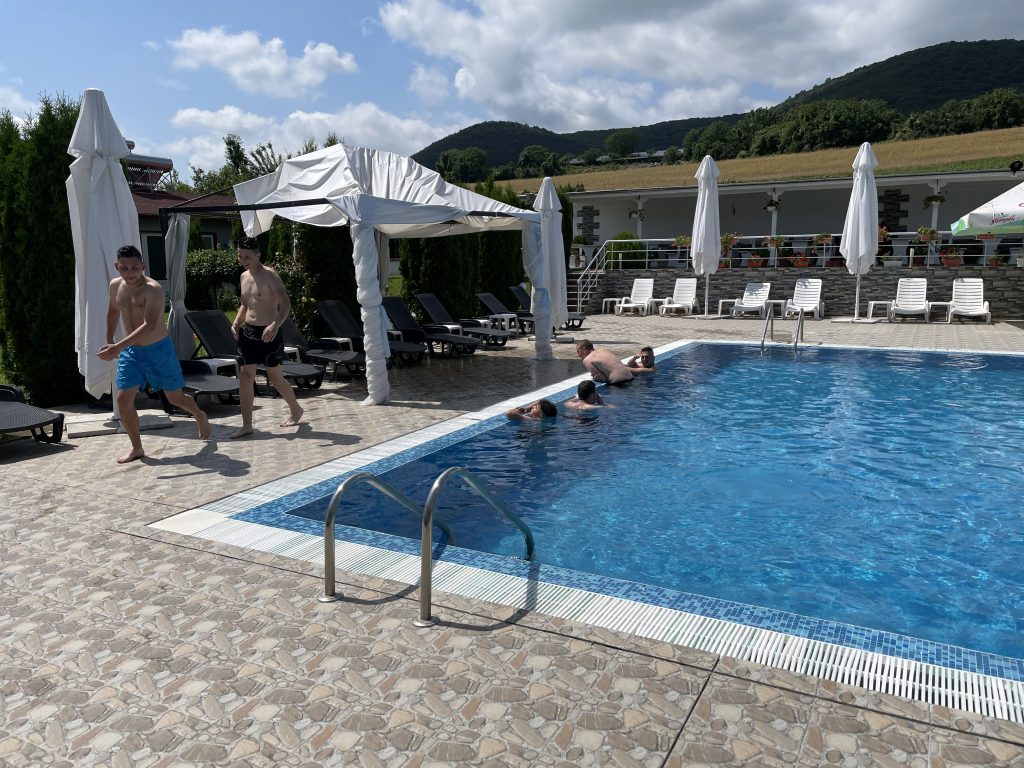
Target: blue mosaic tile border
275 514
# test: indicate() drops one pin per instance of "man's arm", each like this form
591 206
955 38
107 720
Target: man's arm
243 310
283 306
113 312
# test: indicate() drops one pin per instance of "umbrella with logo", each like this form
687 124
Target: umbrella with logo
1003 215
706 240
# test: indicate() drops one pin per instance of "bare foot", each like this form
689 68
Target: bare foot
203 425
240 433
132 455
294 419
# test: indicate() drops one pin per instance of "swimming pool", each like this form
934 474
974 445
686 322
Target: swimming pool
871 488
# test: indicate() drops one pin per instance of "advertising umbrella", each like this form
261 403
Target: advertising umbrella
860 230
1002 215
103 218
706 240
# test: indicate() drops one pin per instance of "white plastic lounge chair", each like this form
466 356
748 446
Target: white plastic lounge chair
969 299
643 291
911 298
683 298
806 296
754 299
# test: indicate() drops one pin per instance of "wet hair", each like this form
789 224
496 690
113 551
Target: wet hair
586 344
246 243
586 390
647 349
547 408
129 252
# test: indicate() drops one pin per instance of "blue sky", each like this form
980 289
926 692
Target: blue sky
399 75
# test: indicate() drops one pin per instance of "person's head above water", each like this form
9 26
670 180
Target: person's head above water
587 391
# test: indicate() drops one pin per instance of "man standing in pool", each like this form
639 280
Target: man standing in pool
602 364
146 354
642 363
257 327
586 398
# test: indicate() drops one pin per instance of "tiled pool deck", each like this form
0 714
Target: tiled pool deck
126 645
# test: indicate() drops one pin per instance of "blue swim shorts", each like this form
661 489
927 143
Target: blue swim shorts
156 364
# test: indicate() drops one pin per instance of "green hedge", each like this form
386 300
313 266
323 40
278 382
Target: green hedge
211 279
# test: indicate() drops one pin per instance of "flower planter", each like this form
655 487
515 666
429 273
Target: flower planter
799 261
951 261
756 263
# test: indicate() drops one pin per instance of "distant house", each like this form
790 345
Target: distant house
144 175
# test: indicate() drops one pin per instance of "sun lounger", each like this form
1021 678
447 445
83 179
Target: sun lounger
969 299
683 298
322 351
754 299
574 319
911 298
806 296
432 335
492 337
18 416
199 381
639 299
344 328
213 330
523 318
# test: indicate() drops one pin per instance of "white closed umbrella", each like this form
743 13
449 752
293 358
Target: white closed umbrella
103 218
175 246
860 230
706 240
549 300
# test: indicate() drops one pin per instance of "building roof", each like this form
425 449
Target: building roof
149 203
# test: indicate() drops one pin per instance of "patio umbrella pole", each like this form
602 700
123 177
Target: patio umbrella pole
707 283
856 299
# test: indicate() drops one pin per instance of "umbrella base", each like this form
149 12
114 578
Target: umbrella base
858 320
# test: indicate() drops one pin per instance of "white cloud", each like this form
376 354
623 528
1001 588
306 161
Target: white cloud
430 85
15 103
152 45
363 124
260 67
603 63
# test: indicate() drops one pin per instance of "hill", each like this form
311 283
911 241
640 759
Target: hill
918 80
986 150
927 77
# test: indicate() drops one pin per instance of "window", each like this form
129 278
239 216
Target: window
209 241
156 257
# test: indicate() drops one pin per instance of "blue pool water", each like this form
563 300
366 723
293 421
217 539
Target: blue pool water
881 489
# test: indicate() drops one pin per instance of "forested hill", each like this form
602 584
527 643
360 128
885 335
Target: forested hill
928 77
910 82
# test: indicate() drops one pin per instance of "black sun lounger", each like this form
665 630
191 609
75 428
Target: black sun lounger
342 325
323 351
200 381
523 319
492 337
410 328
213 330
574 319
18 416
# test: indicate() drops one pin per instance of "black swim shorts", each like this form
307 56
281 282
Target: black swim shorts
255 351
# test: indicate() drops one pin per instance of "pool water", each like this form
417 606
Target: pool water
881 489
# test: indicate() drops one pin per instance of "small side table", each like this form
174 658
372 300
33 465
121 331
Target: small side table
725 301
773 303
610 304
654 305
946 305
504 322
873 304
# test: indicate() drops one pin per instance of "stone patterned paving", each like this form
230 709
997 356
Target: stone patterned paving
123 646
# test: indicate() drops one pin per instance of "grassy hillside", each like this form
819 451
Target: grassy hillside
972 151
928 77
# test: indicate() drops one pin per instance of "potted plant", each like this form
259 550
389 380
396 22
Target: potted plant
823 238
729 240
758 258
883 234
682 241
774 241
930 200
785 257
799 261
950 256
927 234
772 204
995 261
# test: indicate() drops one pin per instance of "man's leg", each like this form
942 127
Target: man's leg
284 389
130 422
246 395
186 403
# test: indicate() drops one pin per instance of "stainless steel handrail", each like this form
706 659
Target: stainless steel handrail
329 595
769 321
798 334
426 556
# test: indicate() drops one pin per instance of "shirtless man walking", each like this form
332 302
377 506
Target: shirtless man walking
602 364
257 327
146 354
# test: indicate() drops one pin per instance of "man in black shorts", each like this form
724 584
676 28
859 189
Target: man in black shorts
263 309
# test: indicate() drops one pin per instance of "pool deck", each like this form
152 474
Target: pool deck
125 645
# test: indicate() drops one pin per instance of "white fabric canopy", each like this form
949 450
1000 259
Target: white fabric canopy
103 218
380 191
860 230
1001 215
706 239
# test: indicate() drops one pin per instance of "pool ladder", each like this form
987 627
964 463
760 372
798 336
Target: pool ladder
769 328
425 619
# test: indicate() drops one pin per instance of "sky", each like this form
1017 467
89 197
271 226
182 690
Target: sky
399 75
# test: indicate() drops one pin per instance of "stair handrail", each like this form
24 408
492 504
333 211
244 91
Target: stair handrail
329 595
590 276
426 555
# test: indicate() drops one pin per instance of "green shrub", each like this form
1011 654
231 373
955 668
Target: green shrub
211 279
619 252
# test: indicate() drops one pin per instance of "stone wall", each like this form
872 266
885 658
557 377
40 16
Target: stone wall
1004 286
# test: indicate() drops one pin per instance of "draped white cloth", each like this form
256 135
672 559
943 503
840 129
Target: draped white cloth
103 218
860 230
175 247
375 191
706 238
